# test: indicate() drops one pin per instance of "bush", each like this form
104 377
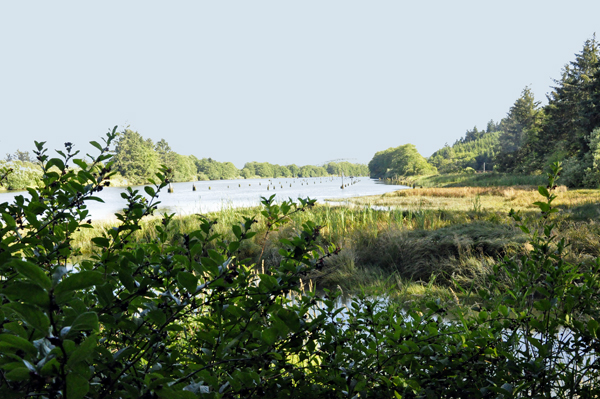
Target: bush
113 325
23 175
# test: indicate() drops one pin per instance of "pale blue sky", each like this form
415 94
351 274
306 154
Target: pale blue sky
280 81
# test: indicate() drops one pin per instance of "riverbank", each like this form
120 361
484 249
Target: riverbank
488 179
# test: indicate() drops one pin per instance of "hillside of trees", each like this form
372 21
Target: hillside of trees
530 137
474 151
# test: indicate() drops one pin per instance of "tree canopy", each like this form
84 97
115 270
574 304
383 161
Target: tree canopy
404 160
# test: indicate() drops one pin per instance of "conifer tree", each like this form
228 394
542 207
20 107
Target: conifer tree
567 102
520 127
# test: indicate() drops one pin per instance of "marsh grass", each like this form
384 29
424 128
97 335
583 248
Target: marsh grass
404 240
479 180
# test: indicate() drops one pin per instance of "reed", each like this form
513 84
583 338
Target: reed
477 180
454 235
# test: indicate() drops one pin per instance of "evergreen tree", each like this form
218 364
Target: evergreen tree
520 126
590 106
567 102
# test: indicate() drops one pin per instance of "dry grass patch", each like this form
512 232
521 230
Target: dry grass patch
462 192
495 199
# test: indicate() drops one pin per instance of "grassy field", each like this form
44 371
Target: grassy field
419 244
490 179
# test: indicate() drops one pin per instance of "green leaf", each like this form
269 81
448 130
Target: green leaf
83 351
503 310
30 315
27 292
483 316
105 294
542 190
593 327
9 220
77 386
15 342
31 271
81 163
101 242
79 281
188 281
174 327
269 336
55 162
290 318
150 191
127 279
233 246
18 374
85 322
95 144
157 316
543 305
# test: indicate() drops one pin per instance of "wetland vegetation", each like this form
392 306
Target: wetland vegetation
471 285
181 307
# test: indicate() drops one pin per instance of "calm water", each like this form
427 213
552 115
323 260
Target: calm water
235 193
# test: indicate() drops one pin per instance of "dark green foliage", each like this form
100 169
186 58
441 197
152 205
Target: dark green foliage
572 101
473 135
519 142
467 153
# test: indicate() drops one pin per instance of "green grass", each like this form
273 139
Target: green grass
489 179
452 236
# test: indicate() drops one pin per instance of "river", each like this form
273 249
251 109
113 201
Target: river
215 195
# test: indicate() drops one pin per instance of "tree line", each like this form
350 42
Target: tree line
530 138
137 159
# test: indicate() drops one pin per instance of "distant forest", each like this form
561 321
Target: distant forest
529 138
137 159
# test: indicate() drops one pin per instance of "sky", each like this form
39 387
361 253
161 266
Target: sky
301 82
